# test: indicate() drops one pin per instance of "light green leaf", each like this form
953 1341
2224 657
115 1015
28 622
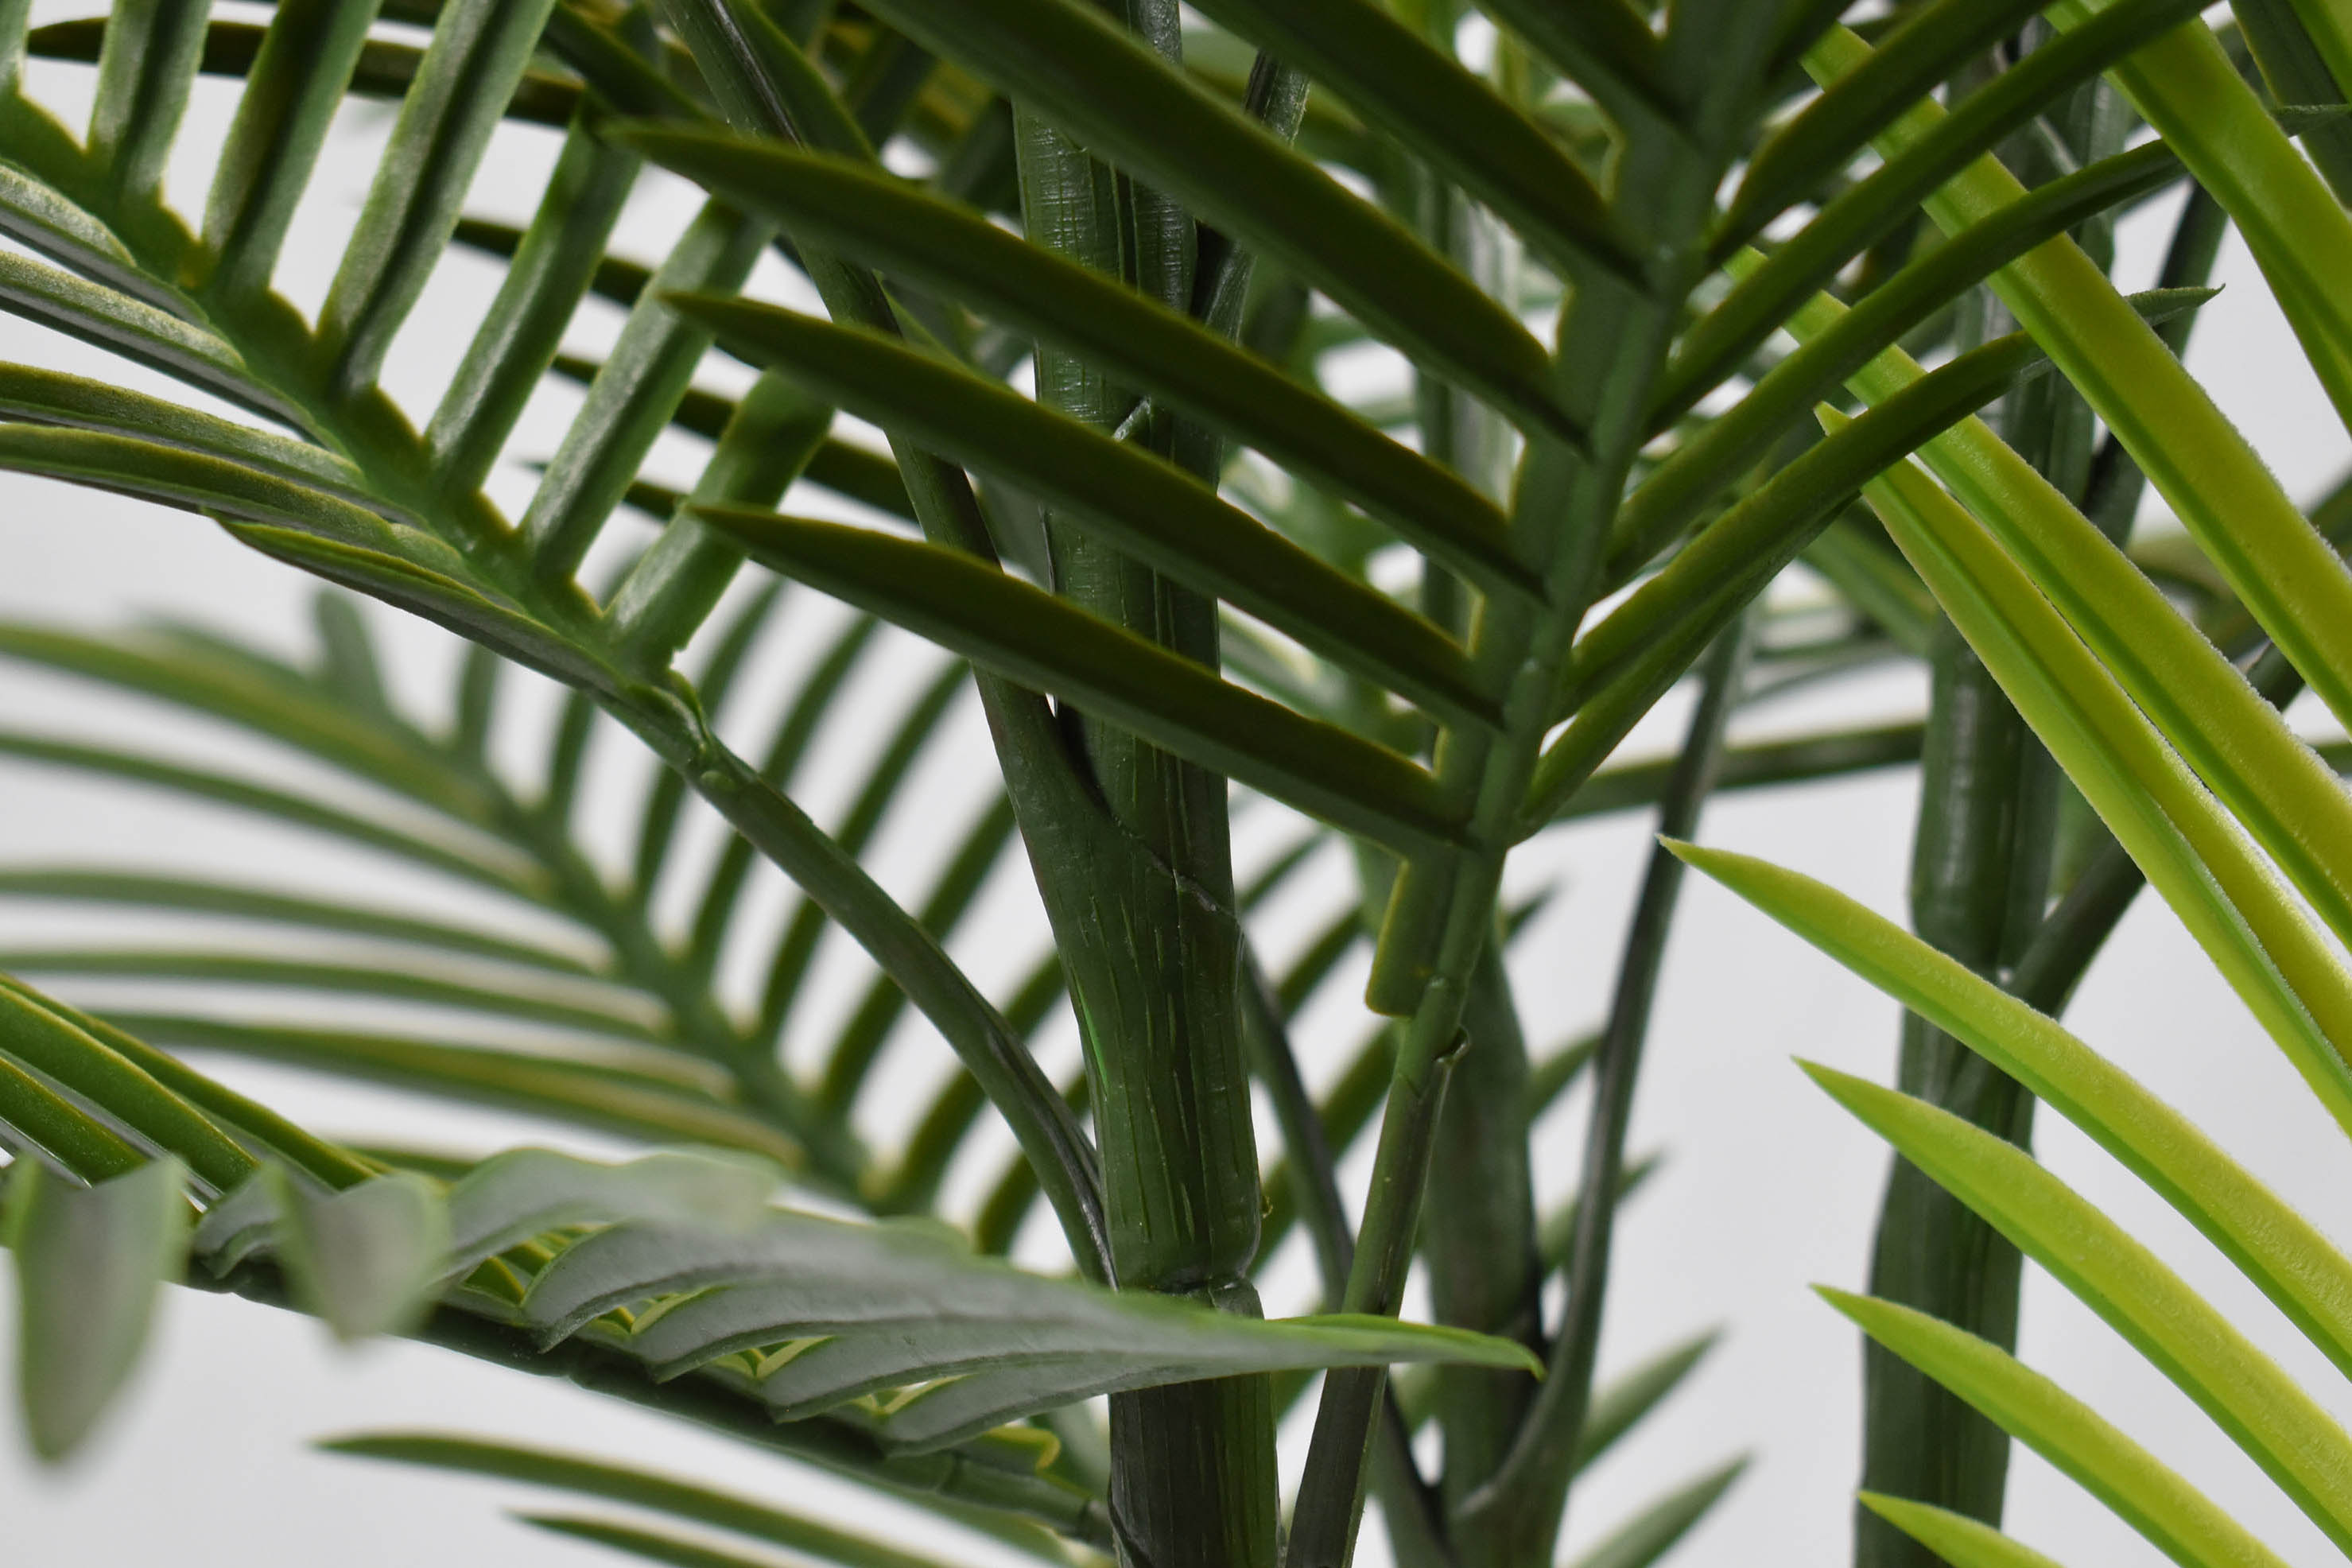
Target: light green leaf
2292 980
2300 237
2179 1520
1722 339
1963 1542
1657 1528
2287 576
2293 1263
513 1196
2280 1426
1929 47
363 1259
91 1262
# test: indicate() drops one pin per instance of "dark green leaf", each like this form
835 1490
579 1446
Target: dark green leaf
1446 116
1810 258
1079 70
891 225
478 51
1138 502
1032 636
298 78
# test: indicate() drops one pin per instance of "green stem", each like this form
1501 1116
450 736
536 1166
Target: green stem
1543 1461
1139 885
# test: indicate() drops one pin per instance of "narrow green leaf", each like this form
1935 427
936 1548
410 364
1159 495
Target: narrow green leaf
2294 982
143 75
1657 1528
40 1037
1622 1405
478 51
1435 107
199 895
1963 1542
1144 506
851 1056
595 1011
91 1262
796 950
2284 1254
362 1259
1930 45
886 223
137 330
470 860
1031 637
2287 576
642 1101
2145 1493
657 826
1810 258
1605 47
1747 546
265 697
651 1545
634 393
2300 235
439 596
519 336
1715 457
295 84
225 1108
2280 1426
39 216
1082 72
621 1484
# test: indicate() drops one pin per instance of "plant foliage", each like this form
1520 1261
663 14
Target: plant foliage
1682 299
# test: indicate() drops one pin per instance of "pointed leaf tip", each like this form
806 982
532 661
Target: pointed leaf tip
91 1262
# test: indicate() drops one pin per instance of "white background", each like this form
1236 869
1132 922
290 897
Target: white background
1767 1185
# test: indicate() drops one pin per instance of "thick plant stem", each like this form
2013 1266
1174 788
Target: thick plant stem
1613 343
1151 938
1980 883
1932 1252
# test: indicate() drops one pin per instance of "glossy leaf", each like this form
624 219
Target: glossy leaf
2283 1253
2290 979
1137 113
1000 622
2176 1518
1146 507
884 223
2224 495
2280 1426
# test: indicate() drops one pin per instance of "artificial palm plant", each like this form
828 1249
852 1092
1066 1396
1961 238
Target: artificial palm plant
1104 276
